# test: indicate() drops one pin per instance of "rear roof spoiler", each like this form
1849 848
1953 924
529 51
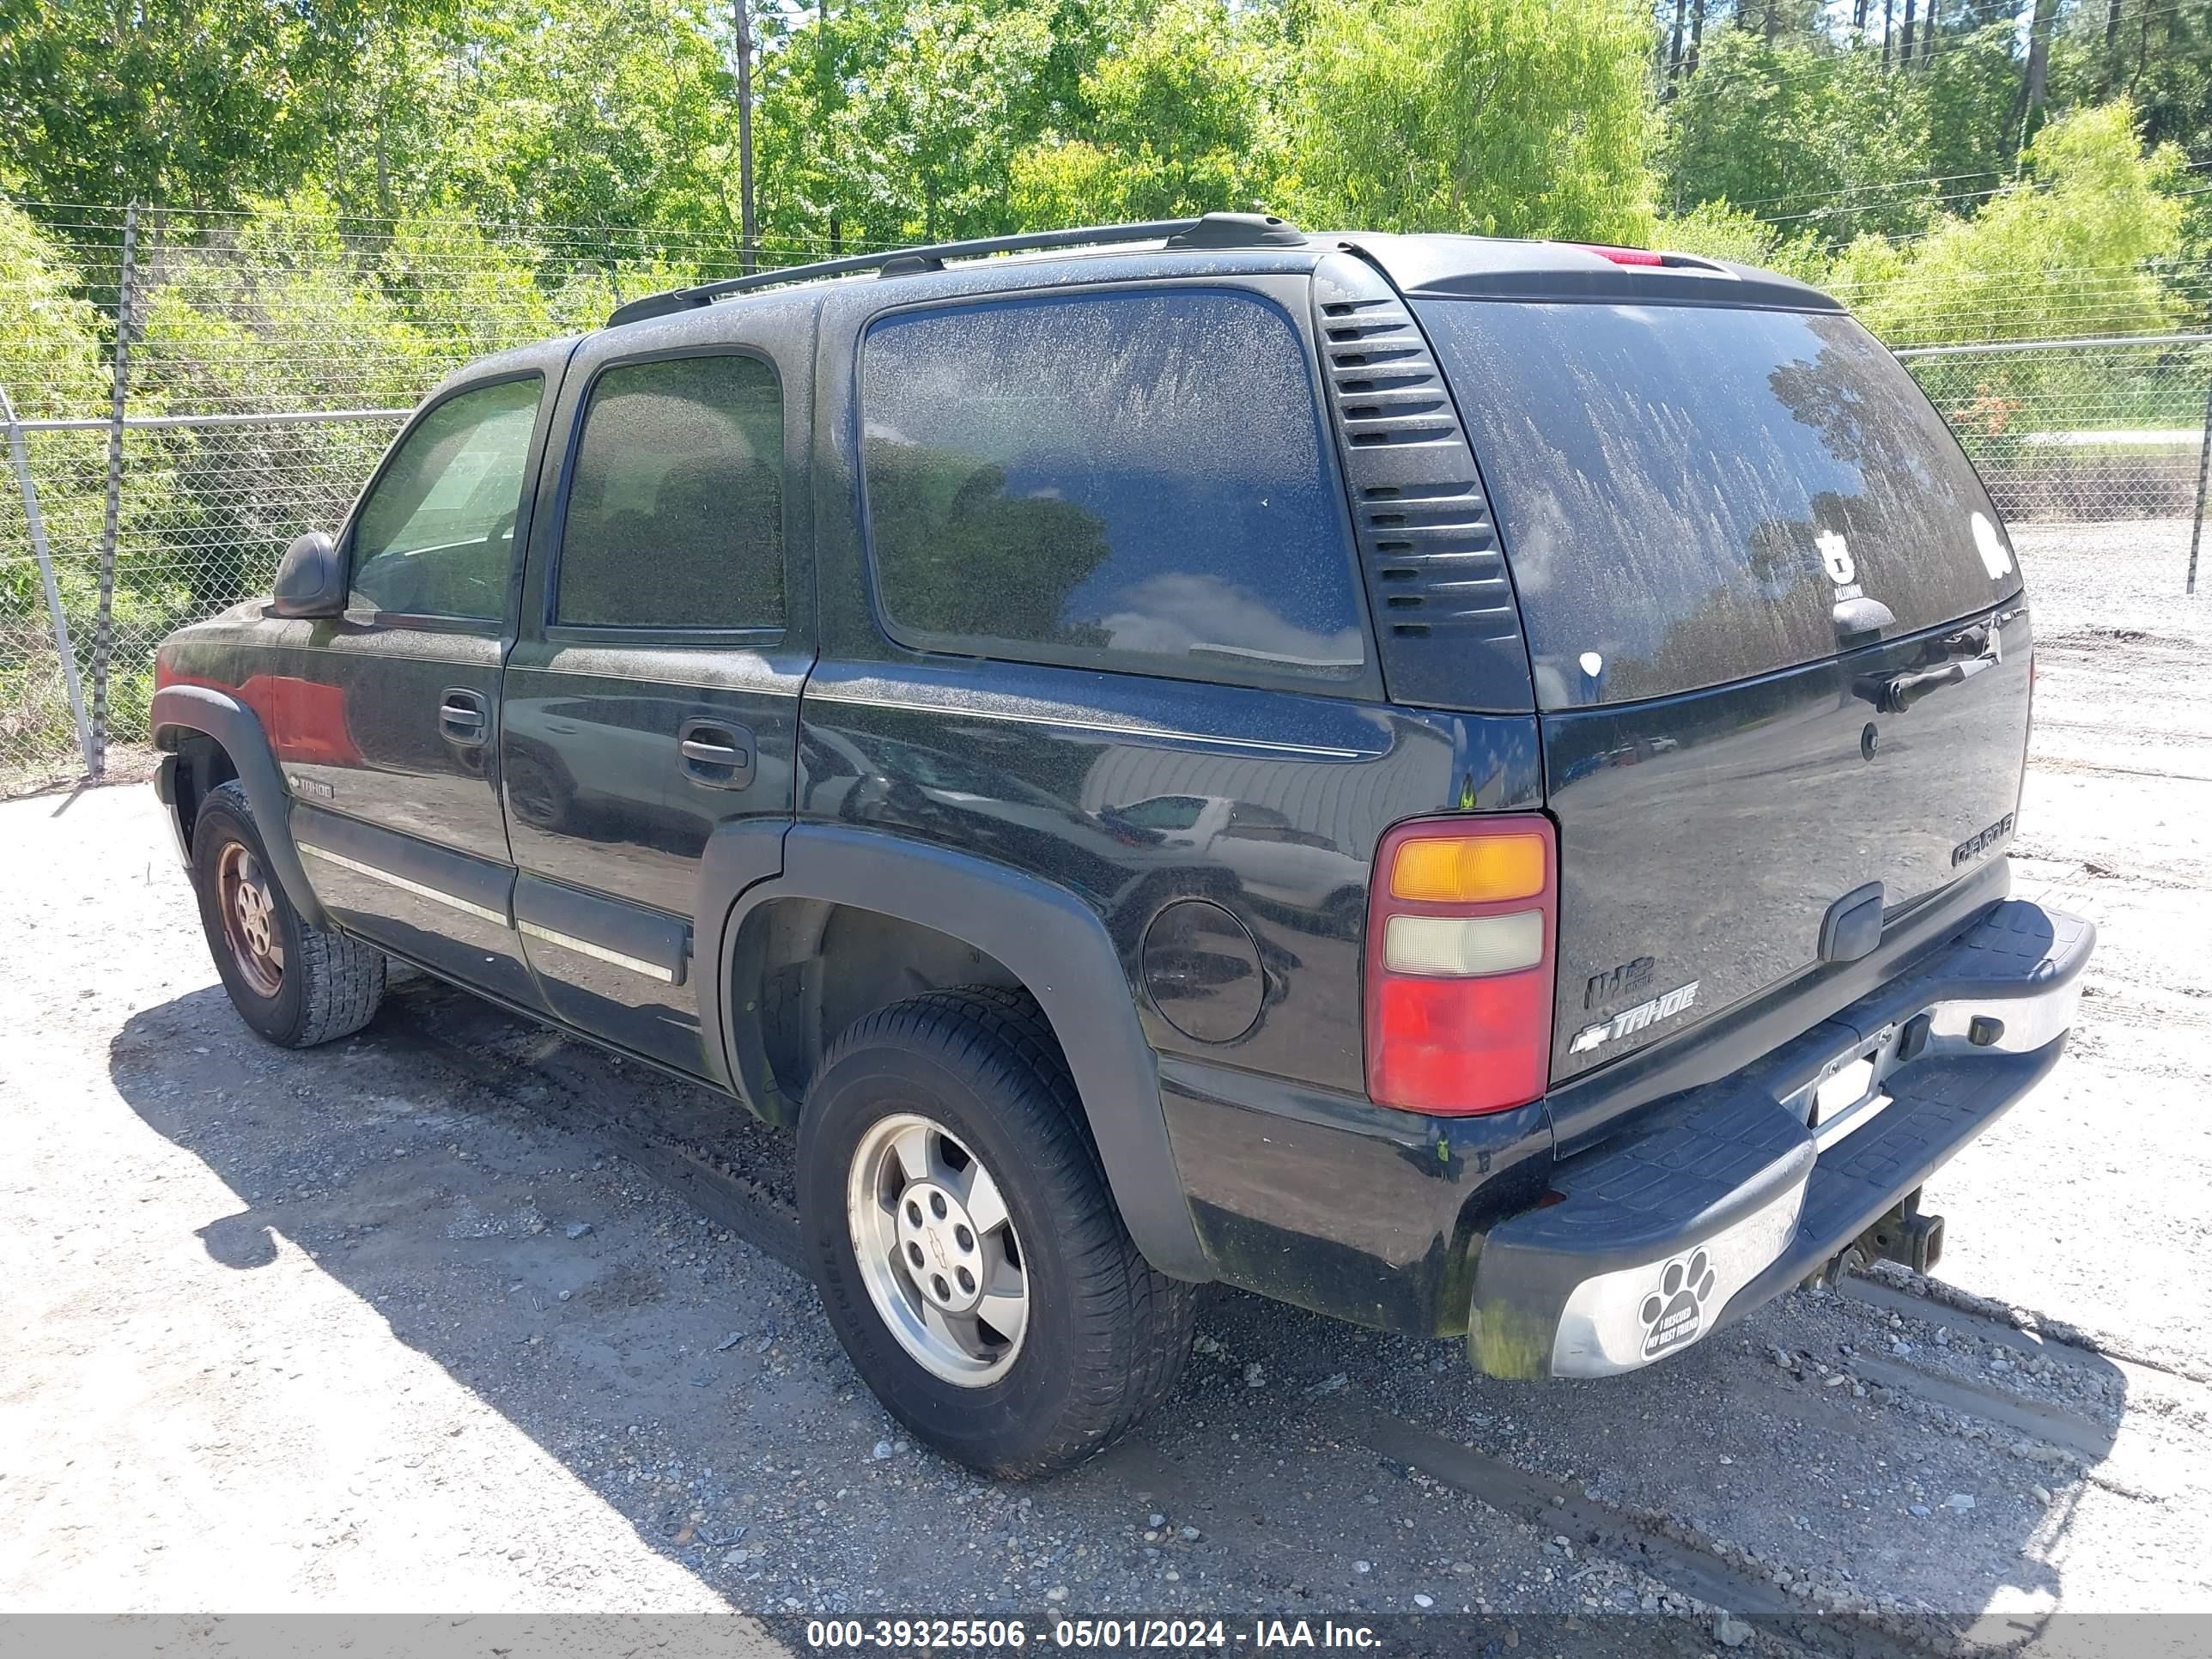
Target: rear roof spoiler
1485 268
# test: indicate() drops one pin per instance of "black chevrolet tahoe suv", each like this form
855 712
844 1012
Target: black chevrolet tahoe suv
1461 784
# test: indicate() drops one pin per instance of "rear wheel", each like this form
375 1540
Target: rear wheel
969 1254
296 984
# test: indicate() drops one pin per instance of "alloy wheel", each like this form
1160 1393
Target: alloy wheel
937 1250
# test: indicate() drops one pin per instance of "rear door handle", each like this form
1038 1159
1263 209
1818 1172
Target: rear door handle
717 755
463 716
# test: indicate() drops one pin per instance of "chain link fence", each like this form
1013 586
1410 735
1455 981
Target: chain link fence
2078 431
186 393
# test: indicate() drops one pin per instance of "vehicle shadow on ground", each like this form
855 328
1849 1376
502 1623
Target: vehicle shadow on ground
443 1166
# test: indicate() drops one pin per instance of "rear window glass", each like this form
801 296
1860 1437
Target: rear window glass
1133 481
1689 496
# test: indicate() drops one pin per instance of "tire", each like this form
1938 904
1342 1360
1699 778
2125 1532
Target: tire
1105 1336
314 986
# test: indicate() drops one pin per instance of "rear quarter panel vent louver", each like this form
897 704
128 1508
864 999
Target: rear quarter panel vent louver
1445 619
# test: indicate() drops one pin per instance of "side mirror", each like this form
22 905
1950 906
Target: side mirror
311 582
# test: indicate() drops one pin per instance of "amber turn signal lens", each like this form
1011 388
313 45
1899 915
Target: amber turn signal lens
1469 869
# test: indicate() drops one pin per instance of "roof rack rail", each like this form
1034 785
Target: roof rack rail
1212 230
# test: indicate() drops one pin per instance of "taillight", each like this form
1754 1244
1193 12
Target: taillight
1463 917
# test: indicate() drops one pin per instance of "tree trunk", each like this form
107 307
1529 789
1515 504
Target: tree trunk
2111 46
1859 15
1928 31
1773 21
1696 37
1888 13
1904 40
2029 101
2039 59
822 79
1674 51
740 13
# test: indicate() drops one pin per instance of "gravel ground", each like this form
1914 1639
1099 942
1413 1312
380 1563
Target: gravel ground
458 1316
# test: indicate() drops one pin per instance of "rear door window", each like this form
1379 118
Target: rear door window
1131 480
1691 496
675 511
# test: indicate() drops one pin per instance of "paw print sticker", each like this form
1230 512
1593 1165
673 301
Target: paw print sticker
1675 1312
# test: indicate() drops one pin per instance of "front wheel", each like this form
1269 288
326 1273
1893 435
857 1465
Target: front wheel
967 1252
296 984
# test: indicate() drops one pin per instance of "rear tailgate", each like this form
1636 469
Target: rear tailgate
1774 622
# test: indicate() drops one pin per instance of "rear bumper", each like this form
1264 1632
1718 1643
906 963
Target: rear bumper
1720 1199
1434 1225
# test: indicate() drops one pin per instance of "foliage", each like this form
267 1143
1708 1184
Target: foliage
2068 251
188 100
1505 117
1805 129
902 120
1181 120
49 337
547 112
1721 232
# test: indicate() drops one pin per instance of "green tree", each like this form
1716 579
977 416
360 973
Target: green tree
1969 85
198 101
539 112
1805 130
1506 118
52 348
2072 249
2157 54
1181 119
50 338
1721 232
51 343
902 119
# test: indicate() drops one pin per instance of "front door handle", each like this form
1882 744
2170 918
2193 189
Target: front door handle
463 716
717 755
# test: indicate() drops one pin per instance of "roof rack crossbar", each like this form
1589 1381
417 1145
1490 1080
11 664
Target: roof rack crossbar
1213 230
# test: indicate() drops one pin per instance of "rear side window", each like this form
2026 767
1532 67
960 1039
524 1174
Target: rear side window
675 515
435 536
1130 481
1689 496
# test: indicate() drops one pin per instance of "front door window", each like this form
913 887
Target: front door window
436 536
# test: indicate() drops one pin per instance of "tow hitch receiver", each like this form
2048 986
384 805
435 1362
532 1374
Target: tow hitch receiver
1903 1236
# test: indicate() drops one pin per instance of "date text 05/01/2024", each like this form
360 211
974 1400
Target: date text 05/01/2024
1108 1635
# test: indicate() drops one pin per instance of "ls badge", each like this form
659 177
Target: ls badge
1629 1021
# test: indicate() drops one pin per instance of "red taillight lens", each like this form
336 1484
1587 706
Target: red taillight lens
1462 919
1623 256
